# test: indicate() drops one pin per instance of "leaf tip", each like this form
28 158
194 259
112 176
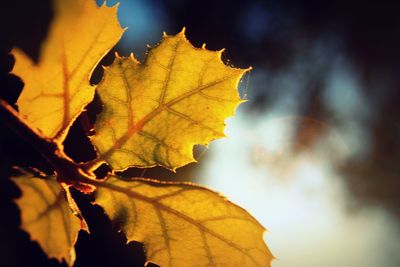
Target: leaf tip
116 4
133 58
21 60
182 32
248 69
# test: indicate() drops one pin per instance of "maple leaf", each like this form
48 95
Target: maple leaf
47 216
155 112
182 224
57 88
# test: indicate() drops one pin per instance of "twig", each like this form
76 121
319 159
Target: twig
68 172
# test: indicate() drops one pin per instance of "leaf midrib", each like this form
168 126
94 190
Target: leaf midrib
137 127
178 214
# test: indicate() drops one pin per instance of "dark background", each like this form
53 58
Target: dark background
268 35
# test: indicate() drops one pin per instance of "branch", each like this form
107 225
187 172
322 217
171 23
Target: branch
68 172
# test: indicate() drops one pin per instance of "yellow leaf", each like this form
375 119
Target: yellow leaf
182 224
155 112
47 217
57 88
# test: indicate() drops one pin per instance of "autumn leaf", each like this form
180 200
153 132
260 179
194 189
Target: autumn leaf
47 216
155 112
57 88
182 224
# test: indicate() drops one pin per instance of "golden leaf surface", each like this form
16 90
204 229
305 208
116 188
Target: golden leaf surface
57 88
182 224
47 215
156 111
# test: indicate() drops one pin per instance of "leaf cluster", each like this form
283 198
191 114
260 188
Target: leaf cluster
153 114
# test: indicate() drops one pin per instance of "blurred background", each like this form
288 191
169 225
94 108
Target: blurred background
313 155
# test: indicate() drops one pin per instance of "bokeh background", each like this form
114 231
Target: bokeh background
314 154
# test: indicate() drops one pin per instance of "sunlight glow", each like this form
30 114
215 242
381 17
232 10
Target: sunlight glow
298 197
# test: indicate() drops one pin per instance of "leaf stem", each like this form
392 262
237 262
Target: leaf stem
68 172
91 166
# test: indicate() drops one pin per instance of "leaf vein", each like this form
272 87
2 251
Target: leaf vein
168 75
180 215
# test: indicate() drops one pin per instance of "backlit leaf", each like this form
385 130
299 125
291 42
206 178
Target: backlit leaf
183 224
57 88
156 111
47 217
